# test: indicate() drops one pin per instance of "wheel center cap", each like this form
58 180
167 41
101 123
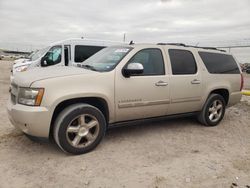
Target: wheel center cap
83 131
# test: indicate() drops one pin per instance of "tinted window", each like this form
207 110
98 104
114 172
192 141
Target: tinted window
219 63
84 52
182 62
152 61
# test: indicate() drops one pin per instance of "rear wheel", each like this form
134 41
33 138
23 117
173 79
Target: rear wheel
213 110
79 128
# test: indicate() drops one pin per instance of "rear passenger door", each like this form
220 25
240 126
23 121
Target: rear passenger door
185 82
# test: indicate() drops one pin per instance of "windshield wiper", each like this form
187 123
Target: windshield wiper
89 67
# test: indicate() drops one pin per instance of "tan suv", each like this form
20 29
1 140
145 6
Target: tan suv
75 105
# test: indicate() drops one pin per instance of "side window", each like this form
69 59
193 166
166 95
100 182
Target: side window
217 63
152 61
84 52
53 56
182 62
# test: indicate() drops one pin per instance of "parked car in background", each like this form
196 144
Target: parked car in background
23 59
248 70
75 105
2 57
70 52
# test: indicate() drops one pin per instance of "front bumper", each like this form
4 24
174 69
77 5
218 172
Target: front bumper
34 121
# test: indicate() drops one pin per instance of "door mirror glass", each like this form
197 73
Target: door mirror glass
44 62
133 69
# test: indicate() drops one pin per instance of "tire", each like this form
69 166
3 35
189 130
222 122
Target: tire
79 128
215 103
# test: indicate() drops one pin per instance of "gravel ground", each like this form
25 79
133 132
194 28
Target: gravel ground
172 153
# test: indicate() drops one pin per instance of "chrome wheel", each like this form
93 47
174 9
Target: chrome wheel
215 111
83 131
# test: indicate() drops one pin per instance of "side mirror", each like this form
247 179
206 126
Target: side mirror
44 62
133 69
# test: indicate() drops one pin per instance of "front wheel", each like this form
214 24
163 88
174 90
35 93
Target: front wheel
213 110
79 128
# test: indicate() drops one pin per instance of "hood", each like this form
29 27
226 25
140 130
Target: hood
26 78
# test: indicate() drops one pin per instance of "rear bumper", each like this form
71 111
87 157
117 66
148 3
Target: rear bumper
234 98
34 121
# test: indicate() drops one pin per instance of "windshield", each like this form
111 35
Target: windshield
34 56
106 59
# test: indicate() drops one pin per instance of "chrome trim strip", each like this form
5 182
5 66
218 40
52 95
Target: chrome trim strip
143 103
190 99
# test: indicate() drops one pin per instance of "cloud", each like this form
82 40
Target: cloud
209 22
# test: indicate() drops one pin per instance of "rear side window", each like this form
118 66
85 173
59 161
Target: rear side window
84 52
219 63
182 62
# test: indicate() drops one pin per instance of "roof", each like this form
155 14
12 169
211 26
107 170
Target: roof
87 42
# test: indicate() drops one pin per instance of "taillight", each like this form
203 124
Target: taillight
241 82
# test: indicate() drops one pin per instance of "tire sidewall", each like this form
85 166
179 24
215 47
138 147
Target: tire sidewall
211 99
73 113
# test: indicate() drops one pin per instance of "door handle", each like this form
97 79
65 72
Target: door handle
195 81
161 83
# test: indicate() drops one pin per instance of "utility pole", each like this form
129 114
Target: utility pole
124 37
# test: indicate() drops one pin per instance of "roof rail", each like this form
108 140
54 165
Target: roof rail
212 48
182 44
174 44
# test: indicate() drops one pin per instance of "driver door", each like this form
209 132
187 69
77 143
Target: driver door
144 95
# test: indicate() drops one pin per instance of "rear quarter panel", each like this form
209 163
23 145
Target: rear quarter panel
211 82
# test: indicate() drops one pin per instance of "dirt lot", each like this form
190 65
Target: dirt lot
173 153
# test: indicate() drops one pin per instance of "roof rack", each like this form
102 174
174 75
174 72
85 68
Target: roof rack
212 48
182 44
174 44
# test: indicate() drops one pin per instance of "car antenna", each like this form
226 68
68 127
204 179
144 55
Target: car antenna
131 42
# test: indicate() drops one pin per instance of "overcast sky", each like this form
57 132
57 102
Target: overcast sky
33 23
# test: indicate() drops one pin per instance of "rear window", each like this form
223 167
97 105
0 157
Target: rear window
84 52
182 62
219 63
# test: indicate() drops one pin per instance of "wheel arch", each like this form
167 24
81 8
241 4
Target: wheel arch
97 102
223 92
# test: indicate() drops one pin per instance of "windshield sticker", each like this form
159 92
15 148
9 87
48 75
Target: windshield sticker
122 50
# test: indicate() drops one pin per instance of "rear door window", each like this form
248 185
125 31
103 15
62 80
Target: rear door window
217 63
84 52
182 62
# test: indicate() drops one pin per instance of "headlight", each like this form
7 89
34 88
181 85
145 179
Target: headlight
30 96
21 68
